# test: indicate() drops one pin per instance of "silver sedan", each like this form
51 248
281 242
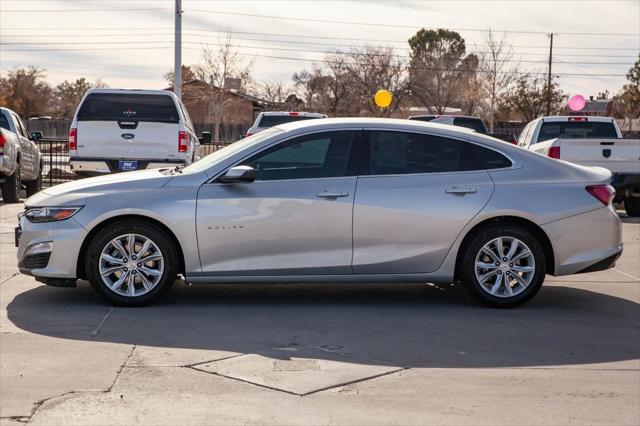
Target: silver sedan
330 200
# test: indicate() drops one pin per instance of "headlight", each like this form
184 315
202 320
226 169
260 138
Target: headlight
50 214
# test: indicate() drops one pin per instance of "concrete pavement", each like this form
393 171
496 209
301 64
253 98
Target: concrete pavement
322 354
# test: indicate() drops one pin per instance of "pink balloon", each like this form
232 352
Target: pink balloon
577 102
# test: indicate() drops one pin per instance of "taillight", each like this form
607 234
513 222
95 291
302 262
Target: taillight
554 152
578 119
295 114
604 193
73 139
2 140
183 141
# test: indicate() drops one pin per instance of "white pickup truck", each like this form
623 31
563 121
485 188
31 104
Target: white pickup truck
20 158
590 141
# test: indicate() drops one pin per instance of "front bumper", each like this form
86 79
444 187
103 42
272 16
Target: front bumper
585 242
49 250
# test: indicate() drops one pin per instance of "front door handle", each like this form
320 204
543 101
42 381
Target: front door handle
460 190
332 193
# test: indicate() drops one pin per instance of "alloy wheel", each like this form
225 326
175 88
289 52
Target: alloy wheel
504 267
131 265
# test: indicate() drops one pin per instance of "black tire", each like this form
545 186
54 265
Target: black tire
472 249
140 227
34 186
632 206
12 187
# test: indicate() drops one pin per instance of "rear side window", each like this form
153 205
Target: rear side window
276 120
576 130
4 123
406 153
128 107
471 123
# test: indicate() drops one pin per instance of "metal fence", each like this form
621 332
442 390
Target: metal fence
55 159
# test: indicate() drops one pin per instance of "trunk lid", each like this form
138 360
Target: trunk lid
617 155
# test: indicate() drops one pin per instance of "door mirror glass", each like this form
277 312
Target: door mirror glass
205 139
36 136
239 174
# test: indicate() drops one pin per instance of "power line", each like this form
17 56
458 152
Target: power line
369 24
80 10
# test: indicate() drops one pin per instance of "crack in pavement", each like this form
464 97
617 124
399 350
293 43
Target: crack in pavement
10 277
40 403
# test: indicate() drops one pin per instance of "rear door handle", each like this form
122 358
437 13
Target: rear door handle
460 190
332 193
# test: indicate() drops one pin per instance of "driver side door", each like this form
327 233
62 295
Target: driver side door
294 219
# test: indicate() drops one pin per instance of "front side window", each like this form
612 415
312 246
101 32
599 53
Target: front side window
318 155
408 153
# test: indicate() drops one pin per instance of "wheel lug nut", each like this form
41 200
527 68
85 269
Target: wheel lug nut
125 269
499 272
134 272
125 260
504 258
139 265
497 263
511 265
133 257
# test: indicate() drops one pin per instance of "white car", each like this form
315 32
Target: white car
20 158
590 141
265 120
117 130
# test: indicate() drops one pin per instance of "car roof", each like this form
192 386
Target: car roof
561 118
293 113
358 122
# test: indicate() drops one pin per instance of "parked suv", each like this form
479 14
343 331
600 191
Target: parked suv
20 158
117 130
264 120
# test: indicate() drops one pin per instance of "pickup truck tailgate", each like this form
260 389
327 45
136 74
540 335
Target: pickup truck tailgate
617 155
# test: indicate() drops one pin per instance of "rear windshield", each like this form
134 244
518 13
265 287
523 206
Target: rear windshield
276 120
576 130
471 123
128 107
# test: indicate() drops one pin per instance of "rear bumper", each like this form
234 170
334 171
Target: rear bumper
626 184
585 241
97 167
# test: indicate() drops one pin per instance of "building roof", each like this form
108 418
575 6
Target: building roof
255 101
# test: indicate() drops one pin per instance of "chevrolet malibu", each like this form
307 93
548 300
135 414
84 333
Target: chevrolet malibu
330 200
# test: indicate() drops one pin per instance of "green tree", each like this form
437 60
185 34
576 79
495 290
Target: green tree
25 91
437 68
67 95
528 96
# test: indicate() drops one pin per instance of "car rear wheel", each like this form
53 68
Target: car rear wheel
632 206
503 266
131 263
12 187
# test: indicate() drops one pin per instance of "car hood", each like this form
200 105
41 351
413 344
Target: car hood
78 191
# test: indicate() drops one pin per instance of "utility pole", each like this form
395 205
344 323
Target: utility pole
177 62
549 74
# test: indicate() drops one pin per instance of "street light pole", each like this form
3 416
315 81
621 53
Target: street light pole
177 62
549 74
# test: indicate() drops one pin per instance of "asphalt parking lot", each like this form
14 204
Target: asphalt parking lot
322 354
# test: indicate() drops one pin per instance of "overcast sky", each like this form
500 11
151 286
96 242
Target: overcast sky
129 43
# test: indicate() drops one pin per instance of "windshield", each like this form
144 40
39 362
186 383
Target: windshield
576 130
229 150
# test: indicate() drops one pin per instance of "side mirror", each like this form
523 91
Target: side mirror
36 136
239 174
205 138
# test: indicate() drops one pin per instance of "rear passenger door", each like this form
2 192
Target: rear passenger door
414 196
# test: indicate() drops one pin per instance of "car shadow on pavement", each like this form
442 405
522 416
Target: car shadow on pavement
395 325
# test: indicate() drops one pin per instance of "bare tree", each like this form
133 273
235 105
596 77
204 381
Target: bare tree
217 67
499 70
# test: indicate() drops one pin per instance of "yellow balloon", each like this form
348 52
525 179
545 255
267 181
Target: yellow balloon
383 98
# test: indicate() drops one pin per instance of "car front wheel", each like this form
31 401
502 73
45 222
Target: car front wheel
131 263
503 266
